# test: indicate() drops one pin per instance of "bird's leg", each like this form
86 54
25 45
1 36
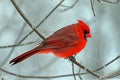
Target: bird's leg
72 58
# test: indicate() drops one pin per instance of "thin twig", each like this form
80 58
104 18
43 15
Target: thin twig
69 7
17 45
26 19
113 74
59 76
73 71
72 59
47 77
50 13
42 21
79 73
11 51
92 3
108 2
36 77
102 67
107 64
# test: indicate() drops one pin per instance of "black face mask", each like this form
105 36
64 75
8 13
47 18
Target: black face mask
85 33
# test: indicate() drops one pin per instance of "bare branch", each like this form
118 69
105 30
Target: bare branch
108 63
68 75
36 77
11 51
108 2
43 21
73 71
113 74
69 7
72 59
17 45
79 73
92 3
26 19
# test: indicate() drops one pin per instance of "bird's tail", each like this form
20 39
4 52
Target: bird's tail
23 57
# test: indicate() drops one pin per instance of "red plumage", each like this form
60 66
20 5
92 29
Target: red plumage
66 42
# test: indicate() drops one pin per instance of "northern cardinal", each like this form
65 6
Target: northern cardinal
64 43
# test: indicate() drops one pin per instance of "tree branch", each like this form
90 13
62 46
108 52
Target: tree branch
26 19
72 59
43 21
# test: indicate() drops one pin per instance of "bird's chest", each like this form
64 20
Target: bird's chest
70 50
81 44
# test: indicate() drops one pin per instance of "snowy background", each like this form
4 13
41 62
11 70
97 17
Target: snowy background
102 48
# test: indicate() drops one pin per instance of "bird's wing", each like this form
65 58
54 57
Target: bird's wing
66 37
59 43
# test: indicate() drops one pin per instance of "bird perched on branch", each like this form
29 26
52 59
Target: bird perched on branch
64 43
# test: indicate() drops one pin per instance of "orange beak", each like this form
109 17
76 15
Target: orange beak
89 35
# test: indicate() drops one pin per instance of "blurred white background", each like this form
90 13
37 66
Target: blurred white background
102 48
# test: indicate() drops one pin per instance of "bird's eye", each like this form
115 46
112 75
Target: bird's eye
85 32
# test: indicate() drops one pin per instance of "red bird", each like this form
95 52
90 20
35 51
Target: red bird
64 43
